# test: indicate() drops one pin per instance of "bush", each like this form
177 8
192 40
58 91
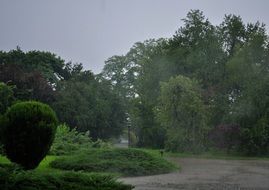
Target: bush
127 162
255 139
225 137
182 140
29 129
70 141
61 180
67 141
101 144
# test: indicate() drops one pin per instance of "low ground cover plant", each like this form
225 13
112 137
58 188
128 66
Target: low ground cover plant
33 180
126 162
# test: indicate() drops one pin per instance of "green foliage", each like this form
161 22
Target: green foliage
249 91
70 141
34 74
45 62
225 137
29 129
67 141
233 33
128 162
182 113
87 104
65 181
101 144
255 139
28 85
136 81
6 97
230 62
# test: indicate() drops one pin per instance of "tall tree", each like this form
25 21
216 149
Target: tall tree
89 104
182 113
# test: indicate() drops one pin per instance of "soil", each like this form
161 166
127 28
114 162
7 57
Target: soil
208 174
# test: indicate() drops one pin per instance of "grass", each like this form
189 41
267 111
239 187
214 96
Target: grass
125 162
215 155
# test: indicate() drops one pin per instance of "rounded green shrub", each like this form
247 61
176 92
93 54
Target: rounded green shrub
29 130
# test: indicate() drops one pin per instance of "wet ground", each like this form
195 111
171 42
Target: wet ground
208 174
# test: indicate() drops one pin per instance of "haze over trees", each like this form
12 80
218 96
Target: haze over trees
227 64
179 93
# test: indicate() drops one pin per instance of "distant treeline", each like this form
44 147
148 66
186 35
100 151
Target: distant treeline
206 87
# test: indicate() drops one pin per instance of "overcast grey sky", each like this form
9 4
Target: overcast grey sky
90 31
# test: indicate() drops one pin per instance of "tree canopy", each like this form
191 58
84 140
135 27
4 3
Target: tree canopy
205 80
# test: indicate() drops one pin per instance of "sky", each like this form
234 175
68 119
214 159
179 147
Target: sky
91 31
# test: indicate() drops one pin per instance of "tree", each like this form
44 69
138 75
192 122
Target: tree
232 33
196 51
35 74
6 97
89 104
27 85
130 77
182 113
49 65
249 92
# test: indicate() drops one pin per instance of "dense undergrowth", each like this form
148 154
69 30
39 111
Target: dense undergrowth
83 168
33 180
126 162
69 141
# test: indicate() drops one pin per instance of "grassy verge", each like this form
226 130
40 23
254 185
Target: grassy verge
125 162
215 155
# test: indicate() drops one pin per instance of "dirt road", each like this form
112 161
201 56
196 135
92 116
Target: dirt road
208 174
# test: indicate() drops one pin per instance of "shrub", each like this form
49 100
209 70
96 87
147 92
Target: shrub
127 162
60 180
181 140
101 144
70 141
225 137
29 129
67 141
255 139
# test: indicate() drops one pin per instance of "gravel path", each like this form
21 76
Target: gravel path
208 174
